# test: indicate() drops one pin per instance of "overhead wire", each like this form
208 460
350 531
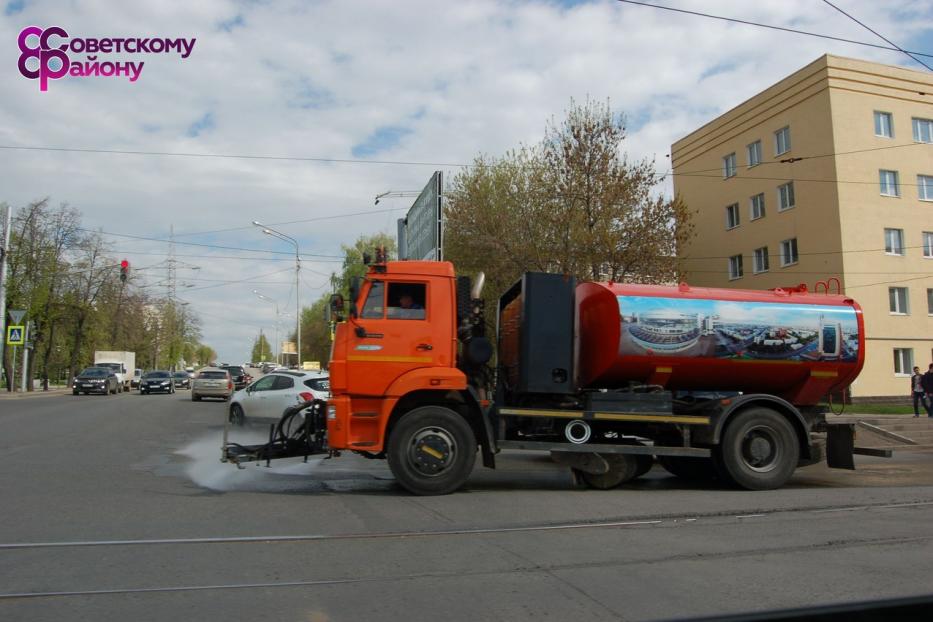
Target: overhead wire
878 34
770 27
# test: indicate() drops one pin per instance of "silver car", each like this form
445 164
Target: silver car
268 397
211 382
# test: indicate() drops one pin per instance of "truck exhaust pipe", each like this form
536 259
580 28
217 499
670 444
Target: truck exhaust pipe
477 290
578 432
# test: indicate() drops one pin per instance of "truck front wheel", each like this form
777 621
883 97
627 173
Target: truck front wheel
431 451
759 449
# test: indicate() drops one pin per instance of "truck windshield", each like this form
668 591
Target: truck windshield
373 308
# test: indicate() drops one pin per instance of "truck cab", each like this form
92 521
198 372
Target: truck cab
399 341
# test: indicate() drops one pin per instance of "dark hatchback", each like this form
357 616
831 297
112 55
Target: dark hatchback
157 382
182 380
239 376
95 380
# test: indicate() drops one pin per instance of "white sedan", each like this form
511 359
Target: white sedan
268 397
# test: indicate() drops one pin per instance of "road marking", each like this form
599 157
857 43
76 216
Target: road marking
428 534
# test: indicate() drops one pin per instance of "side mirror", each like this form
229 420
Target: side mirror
334 310
354 294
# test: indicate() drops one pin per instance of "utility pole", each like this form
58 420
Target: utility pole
7 226
291 240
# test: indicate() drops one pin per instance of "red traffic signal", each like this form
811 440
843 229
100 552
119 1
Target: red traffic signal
124 264
124 270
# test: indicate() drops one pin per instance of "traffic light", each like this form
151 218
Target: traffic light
124 270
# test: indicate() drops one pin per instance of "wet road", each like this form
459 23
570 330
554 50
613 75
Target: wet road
117 508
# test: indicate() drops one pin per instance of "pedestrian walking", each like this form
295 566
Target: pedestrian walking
918 393
927 384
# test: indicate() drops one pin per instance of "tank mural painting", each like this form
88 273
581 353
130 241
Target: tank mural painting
737 330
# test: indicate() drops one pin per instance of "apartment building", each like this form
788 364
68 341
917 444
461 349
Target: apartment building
828 173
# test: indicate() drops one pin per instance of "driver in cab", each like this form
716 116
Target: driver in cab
407 309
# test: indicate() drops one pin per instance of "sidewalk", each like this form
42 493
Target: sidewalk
4 394
900 432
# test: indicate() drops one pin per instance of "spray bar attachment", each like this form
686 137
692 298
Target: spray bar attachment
301 432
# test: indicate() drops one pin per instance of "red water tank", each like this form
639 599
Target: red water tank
788 343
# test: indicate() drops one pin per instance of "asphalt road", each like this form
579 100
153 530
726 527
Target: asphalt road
117 508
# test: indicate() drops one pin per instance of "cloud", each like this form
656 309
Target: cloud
410 81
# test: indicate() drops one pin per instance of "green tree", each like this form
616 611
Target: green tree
261 351
573 204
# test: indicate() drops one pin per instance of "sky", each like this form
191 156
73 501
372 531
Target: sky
366 97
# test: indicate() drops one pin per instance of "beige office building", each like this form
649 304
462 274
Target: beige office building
828 173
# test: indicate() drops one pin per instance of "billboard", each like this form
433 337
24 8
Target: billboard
421 231
288 347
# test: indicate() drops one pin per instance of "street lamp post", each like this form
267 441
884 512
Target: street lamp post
285 238
276 305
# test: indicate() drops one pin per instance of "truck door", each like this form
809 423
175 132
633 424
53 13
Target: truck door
399 320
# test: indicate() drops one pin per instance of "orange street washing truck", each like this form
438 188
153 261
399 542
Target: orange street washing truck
606 377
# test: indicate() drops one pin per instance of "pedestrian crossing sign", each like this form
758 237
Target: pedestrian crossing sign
15 335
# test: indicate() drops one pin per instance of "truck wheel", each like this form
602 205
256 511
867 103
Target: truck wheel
431 451
622 468
759 449
237 416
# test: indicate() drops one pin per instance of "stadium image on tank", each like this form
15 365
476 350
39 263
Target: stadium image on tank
737 330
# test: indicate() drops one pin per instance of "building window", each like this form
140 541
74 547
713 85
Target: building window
782 141
785 196
889 185
928 244
789 252
732 216
925 187
929 301
728 166
903 361
884 124
894 241
897 300
754 154
761 259
758 206
923 130
735 267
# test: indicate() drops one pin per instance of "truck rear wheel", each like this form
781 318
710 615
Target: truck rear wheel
759 449
431 451
622 468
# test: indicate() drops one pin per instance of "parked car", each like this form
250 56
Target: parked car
211 382
267 367
96 380
182 380
239 375
268 397
158 381
137 376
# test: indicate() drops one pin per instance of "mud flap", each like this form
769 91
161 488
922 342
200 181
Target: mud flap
840 446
